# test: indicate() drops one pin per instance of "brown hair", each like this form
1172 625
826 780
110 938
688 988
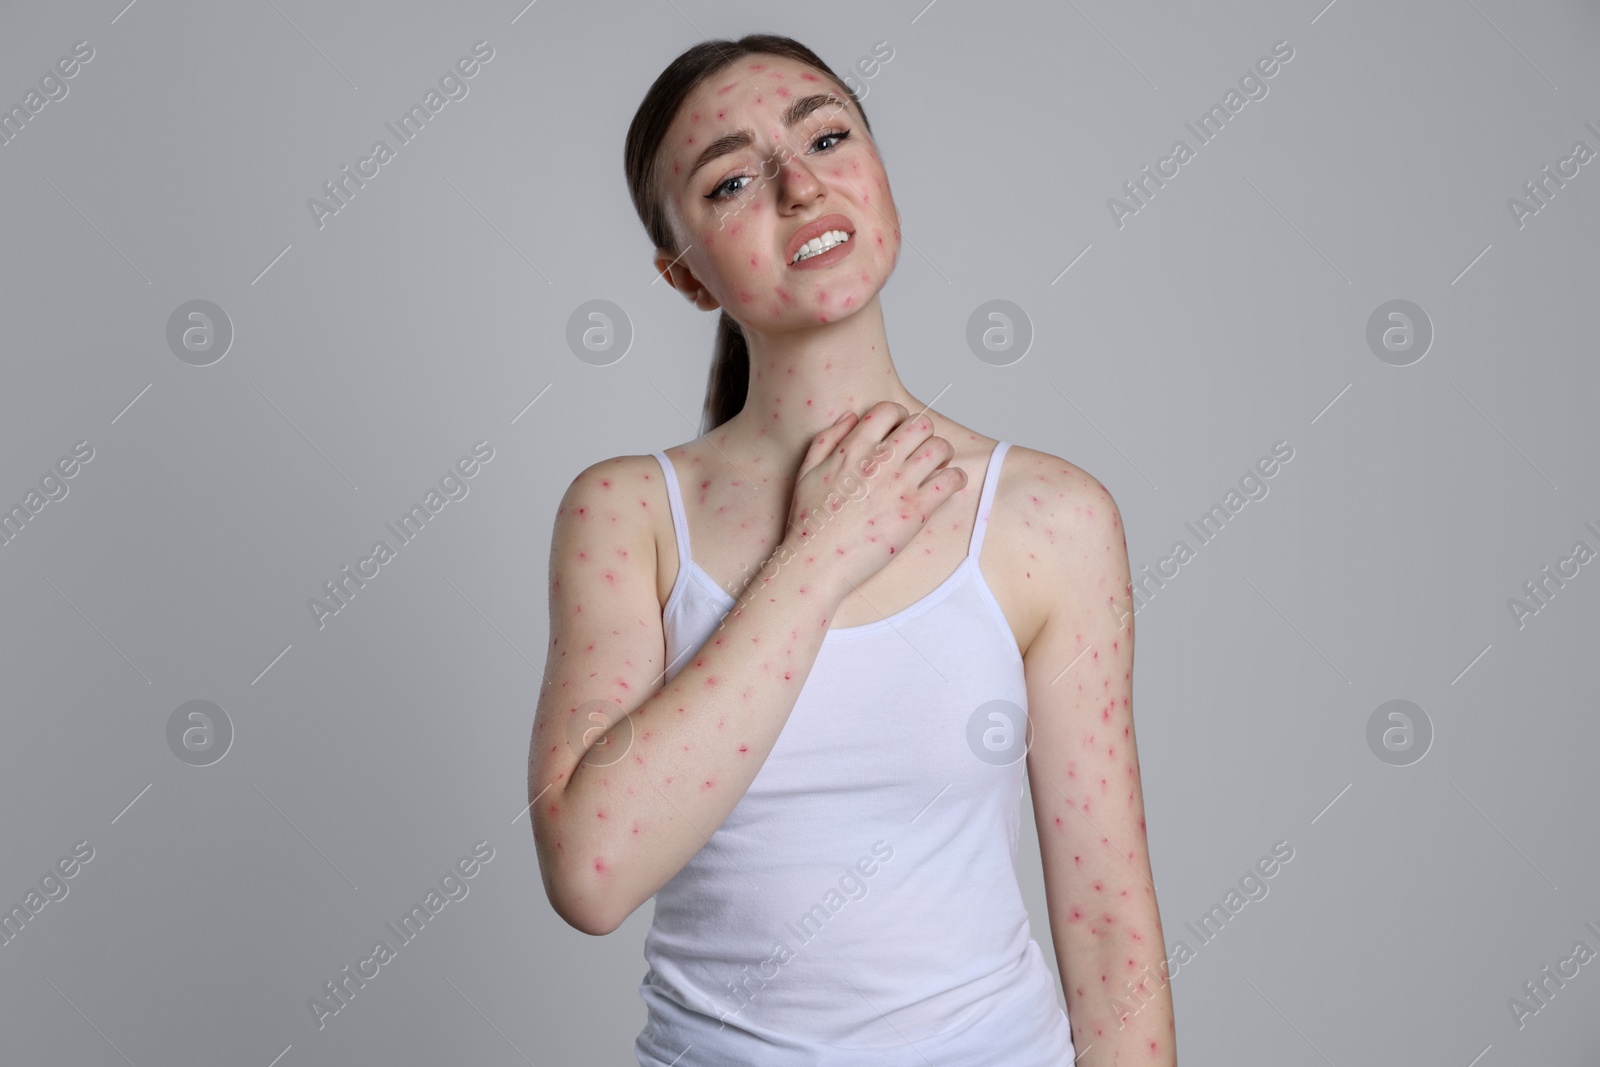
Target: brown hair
729 381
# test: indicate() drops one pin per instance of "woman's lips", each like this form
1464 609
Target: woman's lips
826 259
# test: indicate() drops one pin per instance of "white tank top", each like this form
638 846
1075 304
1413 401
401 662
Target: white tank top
859 905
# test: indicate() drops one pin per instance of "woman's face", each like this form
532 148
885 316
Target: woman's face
756 157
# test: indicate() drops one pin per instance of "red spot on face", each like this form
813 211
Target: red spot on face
600 866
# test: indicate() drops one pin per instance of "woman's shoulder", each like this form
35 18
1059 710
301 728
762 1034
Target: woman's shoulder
630 490
1046 513
1042 496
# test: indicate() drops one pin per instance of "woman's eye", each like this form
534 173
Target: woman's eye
719 194
722 192
837 135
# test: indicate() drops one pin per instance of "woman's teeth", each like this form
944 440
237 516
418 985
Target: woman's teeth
818 245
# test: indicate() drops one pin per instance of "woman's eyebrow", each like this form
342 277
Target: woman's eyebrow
743 138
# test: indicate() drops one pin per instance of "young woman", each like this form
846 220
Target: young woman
862 646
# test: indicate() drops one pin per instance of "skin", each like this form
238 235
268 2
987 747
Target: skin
1054 556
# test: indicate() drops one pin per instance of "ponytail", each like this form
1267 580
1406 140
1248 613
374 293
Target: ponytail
730 374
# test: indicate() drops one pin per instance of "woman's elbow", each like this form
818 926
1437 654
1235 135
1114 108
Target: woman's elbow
579 902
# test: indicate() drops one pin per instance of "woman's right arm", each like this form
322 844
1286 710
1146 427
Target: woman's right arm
625 797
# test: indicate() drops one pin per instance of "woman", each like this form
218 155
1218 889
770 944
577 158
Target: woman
823 797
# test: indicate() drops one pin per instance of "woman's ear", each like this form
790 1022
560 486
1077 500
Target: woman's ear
680 277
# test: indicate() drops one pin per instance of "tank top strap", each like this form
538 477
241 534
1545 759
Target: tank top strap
991 481
680 518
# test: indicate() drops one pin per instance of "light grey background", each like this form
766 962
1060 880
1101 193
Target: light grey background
1229 313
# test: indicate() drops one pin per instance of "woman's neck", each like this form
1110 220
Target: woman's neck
801 381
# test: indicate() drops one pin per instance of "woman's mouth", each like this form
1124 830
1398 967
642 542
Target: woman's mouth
823 251
821 242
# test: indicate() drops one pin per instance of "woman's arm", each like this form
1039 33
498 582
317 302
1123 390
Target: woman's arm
613 823
1083 769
